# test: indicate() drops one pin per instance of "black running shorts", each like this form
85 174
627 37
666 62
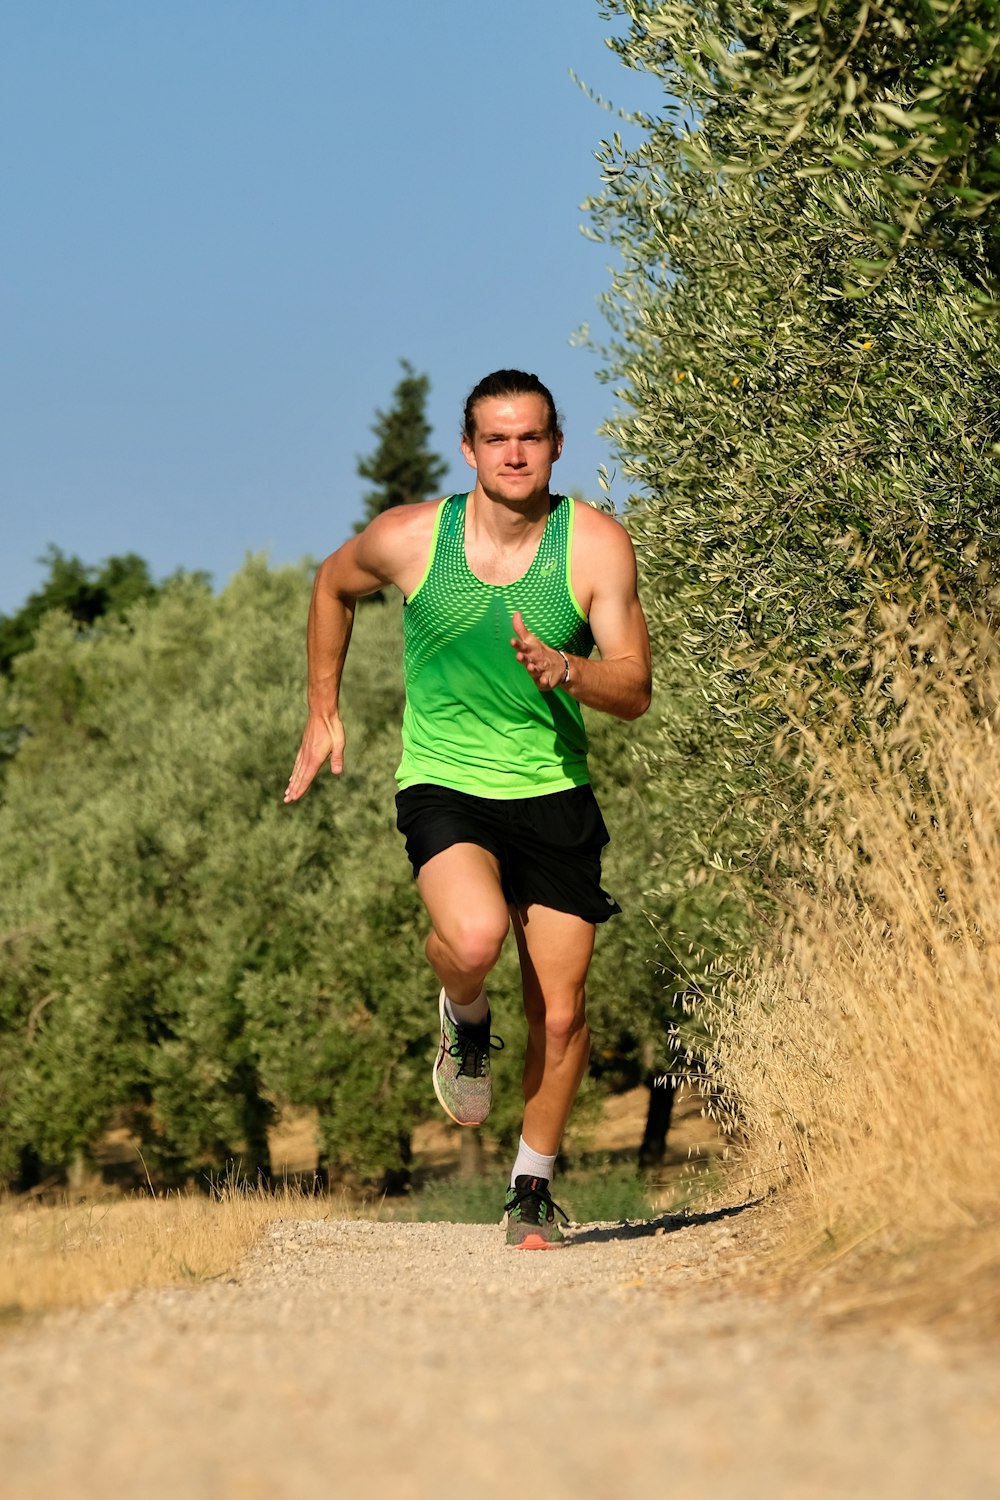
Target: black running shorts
548 847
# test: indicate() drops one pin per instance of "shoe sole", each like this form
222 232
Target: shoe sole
532 1241
466 1124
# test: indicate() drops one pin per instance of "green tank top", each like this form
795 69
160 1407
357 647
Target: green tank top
474 720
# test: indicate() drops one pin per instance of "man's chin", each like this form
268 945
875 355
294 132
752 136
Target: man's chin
516 487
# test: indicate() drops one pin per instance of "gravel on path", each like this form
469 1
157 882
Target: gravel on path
364 1359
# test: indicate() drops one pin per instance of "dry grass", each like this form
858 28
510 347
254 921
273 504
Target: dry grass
865 1050
77 1255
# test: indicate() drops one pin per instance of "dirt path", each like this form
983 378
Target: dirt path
418 1360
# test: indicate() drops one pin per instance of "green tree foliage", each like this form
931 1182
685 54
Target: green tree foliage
903 94
402 467
84 593
86 596
637 982
177 948
790 443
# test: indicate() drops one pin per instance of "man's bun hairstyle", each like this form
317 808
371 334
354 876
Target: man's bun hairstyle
509 383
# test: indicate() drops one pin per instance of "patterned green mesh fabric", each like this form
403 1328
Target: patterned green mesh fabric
474 720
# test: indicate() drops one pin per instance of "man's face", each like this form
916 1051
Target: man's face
513 447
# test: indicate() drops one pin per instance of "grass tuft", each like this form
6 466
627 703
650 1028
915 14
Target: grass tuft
588 1195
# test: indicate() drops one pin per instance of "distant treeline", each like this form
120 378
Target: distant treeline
180 952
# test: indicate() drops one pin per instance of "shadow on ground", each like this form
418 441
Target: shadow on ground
627 1229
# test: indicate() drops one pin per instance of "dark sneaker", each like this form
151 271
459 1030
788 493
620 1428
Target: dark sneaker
531 1216
462 1069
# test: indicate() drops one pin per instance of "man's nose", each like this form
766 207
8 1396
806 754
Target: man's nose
515 454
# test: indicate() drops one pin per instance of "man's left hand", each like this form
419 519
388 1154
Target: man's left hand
545 666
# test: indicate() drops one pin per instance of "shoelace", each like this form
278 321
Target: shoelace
468 1047
530 1202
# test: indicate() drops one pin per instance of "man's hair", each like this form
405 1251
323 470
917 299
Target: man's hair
509 383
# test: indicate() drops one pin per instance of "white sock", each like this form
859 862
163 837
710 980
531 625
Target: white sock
469 1015
530 1163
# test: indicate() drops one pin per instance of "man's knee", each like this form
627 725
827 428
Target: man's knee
560 1021
474 943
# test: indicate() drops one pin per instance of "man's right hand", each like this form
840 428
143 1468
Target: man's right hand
324 737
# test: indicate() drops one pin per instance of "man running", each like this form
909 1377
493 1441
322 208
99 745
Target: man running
506 591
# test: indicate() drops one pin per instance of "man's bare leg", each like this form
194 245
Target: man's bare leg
555 949
461 890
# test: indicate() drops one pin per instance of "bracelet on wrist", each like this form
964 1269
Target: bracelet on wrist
565 676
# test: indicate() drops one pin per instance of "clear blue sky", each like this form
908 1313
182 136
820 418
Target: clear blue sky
224 221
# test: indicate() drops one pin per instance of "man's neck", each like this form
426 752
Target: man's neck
506 523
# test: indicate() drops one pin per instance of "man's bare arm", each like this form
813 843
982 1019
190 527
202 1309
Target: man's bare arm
385 552
620 682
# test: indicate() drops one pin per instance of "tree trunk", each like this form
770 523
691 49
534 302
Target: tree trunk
661 1107
470 1155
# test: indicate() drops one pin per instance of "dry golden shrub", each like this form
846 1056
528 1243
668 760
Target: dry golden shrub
864 1050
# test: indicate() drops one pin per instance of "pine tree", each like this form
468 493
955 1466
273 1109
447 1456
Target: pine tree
402 467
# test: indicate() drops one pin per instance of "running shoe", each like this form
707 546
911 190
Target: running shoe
462 1068
531 1216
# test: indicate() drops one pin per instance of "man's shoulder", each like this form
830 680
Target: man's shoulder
395 543
401 524
598 527
412 517
604 562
